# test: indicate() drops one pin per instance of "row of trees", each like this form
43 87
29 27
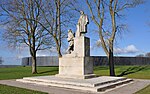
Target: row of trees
41 24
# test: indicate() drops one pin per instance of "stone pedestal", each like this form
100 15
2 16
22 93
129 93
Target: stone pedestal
75 67
78 64
81 46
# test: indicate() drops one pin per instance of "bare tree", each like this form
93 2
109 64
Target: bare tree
17 17
147 54
1 60
57 16
104 12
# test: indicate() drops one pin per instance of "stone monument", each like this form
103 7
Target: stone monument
77 63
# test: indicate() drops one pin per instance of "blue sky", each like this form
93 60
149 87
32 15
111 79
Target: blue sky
139 30
136 40
131 43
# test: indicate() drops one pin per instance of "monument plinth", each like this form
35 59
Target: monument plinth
78 64
81 46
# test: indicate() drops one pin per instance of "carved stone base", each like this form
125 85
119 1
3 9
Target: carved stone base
75 67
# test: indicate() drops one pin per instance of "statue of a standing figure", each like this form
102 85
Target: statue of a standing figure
71 41
82 24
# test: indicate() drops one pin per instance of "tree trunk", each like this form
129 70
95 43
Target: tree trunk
58 28
58 49
59 53
111 63
34 70
33 58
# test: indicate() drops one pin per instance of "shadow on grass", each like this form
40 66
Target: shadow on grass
131 70
101 68
54 70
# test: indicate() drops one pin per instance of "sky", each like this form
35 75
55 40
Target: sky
136 39
131 43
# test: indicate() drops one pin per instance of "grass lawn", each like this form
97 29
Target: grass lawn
145 90
20 72
14 90
137 72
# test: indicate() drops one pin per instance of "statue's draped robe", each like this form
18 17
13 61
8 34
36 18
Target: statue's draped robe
71 42
82 25
70 38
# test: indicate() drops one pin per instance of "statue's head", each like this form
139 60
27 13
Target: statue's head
69 30
81 12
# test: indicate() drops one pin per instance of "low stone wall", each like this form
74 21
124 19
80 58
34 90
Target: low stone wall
8 66
41 61
102 60
97 60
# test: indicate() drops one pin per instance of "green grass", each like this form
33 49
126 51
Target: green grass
137 72
145 90
20 72
4 89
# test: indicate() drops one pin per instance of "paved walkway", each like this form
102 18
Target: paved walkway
130 88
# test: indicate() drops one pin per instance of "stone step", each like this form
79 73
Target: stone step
95 84
59 81
58 85
85 83
112 85
109 81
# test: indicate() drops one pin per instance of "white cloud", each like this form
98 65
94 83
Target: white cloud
130 49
